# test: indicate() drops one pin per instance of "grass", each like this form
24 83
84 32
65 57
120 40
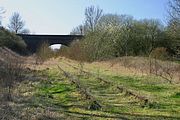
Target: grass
164 96
176 95
53 96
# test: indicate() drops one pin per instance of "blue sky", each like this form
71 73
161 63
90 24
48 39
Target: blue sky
61 16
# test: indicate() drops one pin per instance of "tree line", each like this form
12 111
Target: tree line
111 35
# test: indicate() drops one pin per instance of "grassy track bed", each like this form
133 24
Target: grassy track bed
164 96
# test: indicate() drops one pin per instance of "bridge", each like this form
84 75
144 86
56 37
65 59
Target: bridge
34 41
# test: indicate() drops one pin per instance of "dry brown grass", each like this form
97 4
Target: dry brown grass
168 70
15 93
130 66
11 71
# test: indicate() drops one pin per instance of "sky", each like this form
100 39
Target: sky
61 16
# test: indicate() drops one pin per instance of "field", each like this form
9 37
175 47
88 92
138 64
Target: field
65 89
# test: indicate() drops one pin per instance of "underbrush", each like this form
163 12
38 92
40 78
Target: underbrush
44 53
50 94
11 70
12 41
54 96
167 70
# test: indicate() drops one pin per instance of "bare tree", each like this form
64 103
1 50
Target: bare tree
174 9
174 23
92 16
174 14
79 30
16 23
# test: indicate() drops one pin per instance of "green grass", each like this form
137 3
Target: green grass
58 93
164 97
120 103
176 95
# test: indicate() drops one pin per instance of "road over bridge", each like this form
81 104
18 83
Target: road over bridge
34 41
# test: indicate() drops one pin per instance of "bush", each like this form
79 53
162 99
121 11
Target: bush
74 51
44 53
11 41
94 46
99 45
160 53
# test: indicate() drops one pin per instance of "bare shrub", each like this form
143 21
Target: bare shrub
10 73
178 73
75 51
43 53
159 67
168 70
160 53
126 62
81 68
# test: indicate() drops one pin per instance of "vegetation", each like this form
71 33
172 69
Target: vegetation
92 16
121 35
11 41
16 24
67 94
8 37
130 73
44 52
10 72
